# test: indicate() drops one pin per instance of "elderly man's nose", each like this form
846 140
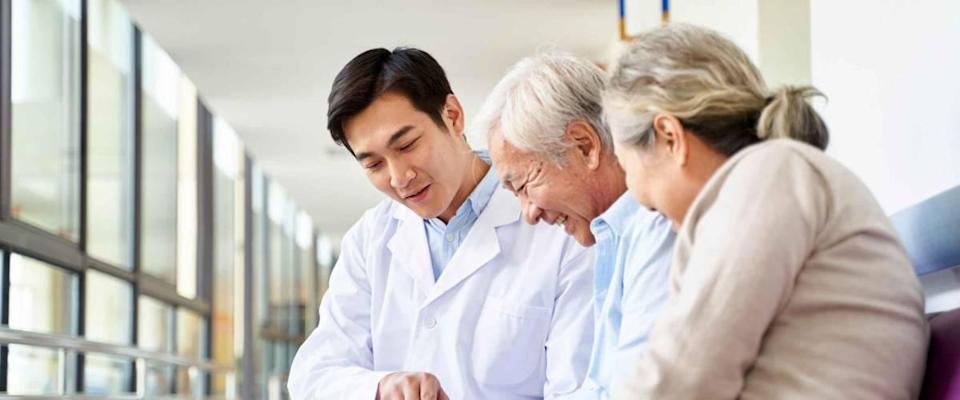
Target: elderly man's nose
531 213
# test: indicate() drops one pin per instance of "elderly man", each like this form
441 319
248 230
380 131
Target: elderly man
552 149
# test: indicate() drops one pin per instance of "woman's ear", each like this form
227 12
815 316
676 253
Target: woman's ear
674 139
586 142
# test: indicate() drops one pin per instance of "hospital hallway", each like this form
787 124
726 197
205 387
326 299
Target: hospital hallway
172 205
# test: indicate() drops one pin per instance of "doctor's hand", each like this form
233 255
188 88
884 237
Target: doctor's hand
410 386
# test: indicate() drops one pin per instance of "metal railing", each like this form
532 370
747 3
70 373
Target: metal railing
69 346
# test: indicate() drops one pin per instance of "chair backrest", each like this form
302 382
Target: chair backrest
930 232
942 379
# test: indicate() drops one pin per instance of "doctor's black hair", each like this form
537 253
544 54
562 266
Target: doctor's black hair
411 72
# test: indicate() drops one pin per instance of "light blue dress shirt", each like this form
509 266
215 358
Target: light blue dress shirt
444 239
631 282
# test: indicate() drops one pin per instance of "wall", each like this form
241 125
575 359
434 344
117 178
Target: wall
889 69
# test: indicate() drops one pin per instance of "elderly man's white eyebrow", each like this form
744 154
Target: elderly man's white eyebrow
507 182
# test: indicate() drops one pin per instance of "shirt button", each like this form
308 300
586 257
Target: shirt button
450 237
431 323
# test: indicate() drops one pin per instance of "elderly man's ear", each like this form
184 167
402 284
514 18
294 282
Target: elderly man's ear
586 143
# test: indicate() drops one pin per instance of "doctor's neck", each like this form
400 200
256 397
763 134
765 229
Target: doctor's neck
474 172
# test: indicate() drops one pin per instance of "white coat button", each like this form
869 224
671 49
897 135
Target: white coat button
450 237
431 323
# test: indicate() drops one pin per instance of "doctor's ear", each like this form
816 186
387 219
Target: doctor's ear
452 114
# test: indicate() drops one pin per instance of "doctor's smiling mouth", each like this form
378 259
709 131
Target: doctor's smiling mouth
419 196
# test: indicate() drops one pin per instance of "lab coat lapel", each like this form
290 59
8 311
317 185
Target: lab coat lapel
481 245
409 248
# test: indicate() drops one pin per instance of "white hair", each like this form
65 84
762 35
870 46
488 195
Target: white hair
705 80
539 96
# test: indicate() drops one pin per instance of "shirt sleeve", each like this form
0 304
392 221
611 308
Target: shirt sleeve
571 331
750 234
336 360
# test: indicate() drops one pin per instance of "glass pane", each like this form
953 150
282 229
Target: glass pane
155 325
45 93
260 279
190 381
106 375
220 381
160 108
191 334
187 192
42 297
305 275
227 343
290 294
110 133
159 379
3 269
32 370
280 247
109 302
325 263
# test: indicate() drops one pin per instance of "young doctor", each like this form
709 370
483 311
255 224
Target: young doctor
441 291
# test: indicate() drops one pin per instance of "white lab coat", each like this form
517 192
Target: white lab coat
510 317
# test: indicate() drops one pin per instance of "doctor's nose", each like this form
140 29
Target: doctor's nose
401 176
531 213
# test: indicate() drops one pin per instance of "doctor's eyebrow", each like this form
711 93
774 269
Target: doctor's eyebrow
399 134
393 139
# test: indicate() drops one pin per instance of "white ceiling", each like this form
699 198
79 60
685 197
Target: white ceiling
266 68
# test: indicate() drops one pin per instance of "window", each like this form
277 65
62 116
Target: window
107 374
160 107
109 318
42 299
305 276
32 370
187 192
261 279
112 301
228 255
109 133
280 243
45 91
325 261
155 326
191 331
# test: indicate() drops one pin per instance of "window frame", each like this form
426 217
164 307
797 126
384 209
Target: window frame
19 237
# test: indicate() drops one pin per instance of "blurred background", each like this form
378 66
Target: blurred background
171 203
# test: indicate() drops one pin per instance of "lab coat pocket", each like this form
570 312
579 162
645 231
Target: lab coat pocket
509 342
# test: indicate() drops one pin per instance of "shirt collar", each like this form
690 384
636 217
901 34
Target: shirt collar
617 216
484 191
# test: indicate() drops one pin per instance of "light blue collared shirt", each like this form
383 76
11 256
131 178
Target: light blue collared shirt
444 239
631 283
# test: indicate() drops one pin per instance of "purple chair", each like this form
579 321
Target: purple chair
930 232
942 379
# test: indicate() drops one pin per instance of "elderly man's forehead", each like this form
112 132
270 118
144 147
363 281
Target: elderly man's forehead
507 150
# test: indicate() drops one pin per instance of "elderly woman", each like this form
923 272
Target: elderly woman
788 281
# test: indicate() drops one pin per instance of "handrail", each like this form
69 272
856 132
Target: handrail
67 345
98 397
81 345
